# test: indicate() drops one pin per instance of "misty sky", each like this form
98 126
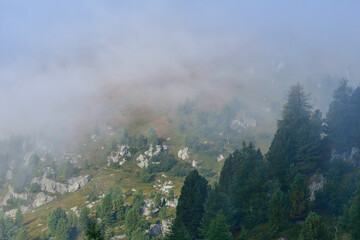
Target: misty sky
60 60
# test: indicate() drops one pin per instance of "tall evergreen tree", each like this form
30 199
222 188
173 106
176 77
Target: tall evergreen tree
314 228
249 188
278 213
299 198
94 231
54 218
339 117
119 208
132 222
298 139
190 208
354 216
107 209
19 218
219 229
84 218
62 230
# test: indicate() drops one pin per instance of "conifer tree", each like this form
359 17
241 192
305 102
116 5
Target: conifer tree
219 229
298 139
354 216
94 231
277 212
190 208
84 218
299 198
314 228
119 208
62 230
107 210
19 218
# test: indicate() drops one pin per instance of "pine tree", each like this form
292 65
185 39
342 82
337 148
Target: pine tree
219 229
107 209
298 139
19 218
84 218
299 198
54 218
277 211
62 230
94 231
119 208
314 228
248 190
190 208
132 222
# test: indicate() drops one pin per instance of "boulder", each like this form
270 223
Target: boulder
72 185
120 156
157 150
166 225
155 230
183 153
220 158
142 161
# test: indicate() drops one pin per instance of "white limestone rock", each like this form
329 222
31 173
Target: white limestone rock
41 199
220 158
316 183
183 153
120 156
142 161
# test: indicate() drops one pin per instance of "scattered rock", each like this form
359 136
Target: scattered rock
12 194
142 161
220 158
183 153
75 210
120 156
72 185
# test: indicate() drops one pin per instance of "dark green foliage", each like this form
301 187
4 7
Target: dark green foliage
94 231
339 117
138 200
132 222
298 139
314 228
219 229
20 234
92 196
214 203
299 198
178 232
86 165
166 162
190 208
54 218
157 200
354 216
146 177
65 170
248 189
107 210
278 213
14 203
84 218
162 213
62 230
6 227
19 218
119 208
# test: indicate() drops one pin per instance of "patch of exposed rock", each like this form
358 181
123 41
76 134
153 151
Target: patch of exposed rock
172 204
12 212
120 156
148 207
157 150
166 225
316 183
243 123
142 161
155 230
184 153
72 185
352 156
41 199
220 158
12 194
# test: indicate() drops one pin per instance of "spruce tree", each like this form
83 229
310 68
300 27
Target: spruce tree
62 230
107 209
277 211
84 218
299 198
219 229
313 228
19 218
94 231
298 139
190 208
119 208
132 222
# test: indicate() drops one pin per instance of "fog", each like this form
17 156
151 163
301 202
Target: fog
67 65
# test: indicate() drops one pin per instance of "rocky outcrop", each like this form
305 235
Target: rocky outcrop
352 156
148 207
12 194
172 204
12 212
157 150
316 183
166 225
120 156
242 123
142 161
220 158
41 199
155 230
183 153
72 185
